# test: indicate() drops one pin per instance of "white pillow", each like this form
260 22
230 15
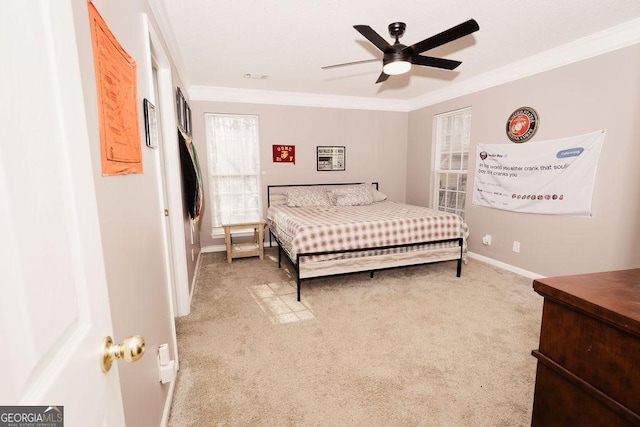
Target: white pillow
378 196
349 200
307 196
351 195
277 199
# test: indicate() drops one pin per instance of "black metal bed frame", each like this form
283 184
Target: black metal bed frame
296 265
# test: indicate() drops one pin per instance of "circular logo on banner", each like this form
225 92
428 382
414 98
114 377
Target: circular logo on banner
522 124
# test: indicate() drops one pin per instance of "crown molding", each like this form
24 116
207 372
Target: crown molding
615 38
161 17
250 96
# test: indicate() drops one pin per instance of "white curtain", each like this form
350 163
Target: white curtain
234 169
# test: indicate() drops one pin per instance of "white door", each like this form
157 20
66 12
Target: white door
54 308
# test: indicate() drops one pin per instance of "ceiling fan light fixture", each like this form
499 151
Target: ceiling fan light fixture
398 58
396 67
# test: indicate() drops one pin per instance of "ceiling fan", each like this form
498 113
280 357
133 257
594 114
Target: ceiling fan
398 58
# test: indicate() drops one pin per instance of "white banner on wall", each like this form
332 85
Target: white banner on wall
550 177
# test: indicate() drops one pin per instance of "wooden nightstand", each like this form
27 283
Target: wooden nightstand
245 249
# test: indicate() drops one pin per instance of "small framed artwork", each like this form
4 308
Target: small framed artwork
187 119
179 107
331 158
150 124
284 153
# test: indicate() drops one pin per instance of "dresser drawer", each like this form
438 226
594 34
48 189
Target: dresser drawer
562 400
602 355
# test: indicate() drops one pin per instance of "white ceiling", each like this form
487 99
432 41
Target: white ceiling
216 42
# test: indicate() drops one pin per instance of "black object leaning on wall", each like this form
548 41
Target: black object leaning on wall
190 182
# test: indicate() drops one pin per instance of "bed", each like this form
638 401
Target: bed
329 229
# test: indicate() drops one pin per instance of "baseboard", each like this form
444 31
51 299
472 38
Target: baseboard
505 266
195 278
167 404
213 248
223 248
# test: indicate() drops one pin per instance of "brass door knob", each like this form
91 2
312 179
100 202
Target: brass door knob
130 350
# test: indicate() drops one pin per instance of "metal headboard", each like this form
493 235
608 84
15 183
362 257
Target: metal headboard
270 187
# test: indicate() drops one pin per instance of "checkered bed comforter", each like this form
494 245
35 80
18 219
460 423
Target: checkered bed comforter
303 230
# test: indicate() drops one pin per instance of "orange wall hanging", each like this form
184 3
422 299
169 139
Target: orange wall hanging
117 101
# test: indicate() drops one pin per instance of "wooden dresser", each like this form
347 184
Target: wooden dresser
588 370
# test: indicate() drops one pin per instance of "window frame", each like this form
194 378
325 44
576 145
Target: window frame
459 173
212 174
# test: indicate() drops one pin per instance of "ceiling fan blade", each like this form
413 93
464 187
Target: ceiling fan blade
446 36
326 67
430 61
383 77
373 37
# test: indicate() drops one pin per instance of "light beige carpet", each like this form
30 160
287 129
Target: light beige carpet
411 347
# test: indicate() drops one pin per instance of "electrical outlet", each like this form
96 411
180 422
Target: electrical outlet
486 239
516 246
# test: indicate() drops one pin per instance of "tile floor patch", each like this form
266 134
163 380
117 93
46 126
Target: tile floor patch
279 301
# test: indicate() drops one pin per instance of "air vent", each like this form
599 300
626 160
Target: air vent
255 76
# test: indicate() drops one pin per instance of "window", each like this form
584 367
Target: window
234 169
453 133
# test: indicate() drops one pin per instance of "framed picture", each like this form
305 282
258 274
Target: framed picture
183 112
150 124
180 107
284 153
331 158
187 119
